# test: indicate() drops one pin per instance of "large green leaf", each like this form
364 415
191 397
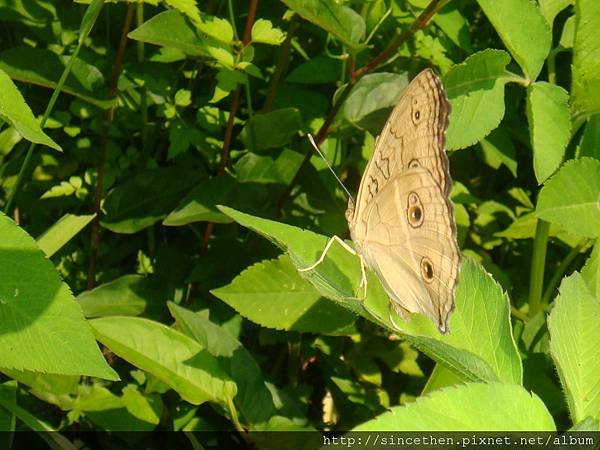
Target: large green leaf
260 132
523 30
131 412
549 126
479 345
369 102
172 357
571 198
475 89
338 19
41 326
44 68
254 400
585 91
273 294
171 29
15 111
468 407
199 204
129 295
254 168
574 344
146 198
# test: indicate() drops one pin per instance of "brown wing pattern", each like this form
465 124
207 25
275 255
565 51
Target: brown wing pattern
411 225
403 222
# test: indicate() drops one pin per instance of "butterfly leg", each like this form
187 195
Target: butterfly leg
326 249
363 278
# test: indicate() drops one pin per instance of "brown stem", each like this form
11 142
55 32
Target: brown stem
282 60
419 23
235 102
249 22
107 118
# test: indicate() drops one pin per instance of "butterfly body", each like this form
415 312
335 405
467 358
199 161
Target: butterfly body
402 222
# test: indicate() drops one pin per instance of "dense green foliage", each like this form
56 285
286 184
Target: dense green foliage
147 149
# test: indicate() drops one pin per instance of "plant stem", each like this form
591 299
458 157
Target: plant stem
107 118
538 261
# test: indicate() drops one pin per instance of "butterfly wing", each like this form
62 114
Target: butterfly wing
413 135
409 161
410 242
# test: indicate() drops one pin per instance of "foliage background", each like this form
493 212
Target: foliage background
146 146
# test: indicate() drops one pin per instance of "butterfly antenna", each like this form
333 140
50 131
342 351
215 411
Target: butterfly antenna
314 144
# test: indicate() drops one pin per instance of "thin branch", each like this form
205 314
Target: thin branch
249 22
419 23
107 118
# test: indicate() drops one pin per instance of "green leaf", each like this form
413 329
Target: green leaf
574 338
264 32
16 112
172 357
339 20
585 90
59 390
271 130
549 126
567 38
89 19
477 352
129 295
468 407
590 139
272 294
199 204
44 68
480 345
254 400
591 272
441 377
253 168
475 89
454 25
318 70
171 29
132 411
65 229
304 247
571 198
499 150
550 8
511 18
146 198
370 101
55 440
42 327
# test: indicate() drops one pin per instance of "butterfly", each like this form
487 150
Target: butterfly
402 222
